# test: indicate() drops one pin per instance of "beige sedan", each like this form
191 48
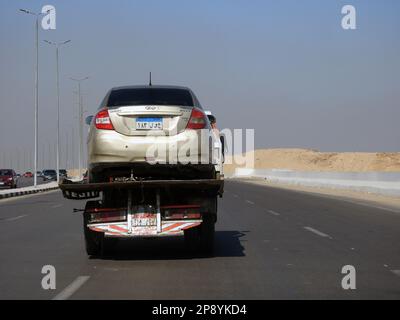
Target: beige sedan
152 132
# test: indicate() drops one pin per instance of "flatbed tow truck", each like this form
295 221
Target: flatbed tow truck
132 208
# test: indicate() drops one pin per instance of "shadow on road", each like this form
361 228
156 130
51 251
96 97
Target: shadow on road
227 244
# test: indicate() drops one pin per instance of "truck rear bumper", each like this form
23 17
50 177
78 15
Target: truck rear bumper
122 230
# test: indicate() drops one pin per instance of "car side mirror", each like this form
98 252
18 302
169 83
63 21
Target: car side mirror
212 118
88 120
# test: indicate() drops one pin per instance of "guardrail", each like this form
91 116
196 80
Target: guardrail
10 193
375 182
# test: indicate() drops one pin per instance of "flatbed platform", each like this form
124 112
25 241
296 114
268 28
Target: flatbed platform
80 190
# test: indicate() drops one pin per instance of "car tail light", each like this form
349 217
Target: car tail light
103 121
197 120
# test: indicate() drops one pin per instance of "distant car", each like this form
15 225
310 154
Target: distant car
8 178
50 175
28 174
63 173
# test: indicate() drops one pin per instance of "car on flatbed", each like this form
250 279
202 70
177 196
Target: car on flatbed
151 131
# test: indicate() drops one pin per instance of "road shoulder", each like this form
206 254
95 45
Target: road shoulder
388 203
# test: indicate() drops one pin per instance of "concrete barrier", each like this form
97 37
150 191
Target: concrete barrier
376 182
10 193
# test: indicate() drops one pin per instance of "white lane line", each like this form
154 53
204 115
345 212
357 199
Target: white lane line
72 288
57 206
251 202
16 218
396 272
274 212
321 234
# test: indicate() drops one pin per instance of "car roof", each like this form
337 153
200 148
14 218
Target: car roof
151 87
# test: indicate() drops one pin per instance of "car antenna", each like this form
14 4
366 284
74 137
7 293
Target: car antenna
150 84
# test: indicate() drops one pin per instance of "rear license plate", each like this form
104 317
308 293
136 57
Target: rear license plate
144 220
149 124
1 183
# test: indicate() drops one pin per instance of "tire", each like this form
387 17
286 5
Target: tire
201 239
207 235
95 177
93 240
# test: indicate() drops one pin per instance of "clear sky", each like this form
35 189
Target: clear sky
285 68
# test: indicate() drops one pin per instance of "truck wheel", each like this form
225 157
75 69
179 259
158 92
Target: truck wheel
207 232
201 238
192 238
93 240
108 246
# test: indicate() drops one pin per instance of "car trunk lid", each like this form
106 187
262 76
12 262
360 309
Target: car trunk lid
150 120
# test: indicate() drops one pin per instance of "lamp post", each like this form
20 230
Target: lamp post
58 45
80 119
36 15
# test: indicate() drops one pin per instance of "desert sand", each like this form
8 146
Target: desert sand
312 160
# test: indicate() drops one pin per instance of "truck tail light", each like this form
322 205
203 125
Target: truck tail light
101 215
197 120
180 212
103 121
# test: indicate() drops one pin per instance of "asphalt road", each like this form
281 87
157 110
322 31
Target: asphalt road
270 244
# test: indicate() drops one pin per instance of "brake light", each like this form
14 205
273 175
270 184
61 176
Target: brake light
197 120
102 215
103 121
179 212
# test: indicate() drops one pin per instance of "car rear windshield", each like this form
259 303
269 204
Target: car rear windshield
148 96
5 172
49 172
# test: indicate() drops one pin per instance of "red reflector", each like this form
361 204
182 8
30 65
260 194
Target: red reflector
197 120
103 121
179 212
99 215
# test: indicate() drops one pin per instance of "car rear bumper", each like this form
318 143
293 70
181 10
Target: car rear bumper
105 146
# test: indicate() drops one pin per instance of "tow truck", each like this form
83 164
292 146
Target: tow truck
137 207
147 208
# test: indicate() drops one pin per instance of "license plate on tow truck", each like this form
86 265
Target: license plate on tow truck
144 220
149 124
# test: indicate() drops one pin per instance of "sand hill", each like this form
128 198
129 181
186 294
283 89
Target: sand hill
311 160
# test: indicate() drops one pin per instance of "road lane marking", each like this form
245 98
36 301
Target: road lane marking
57 206
274 212
396 272
251 202
16 218
72 288
321 234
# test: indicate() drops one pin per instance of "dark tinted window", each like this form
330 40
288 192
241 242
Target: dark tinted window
49 172
6 172
148 96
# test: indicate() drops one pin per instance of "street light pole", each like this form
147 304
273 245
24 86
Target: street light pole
37 15
57 45
80 119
